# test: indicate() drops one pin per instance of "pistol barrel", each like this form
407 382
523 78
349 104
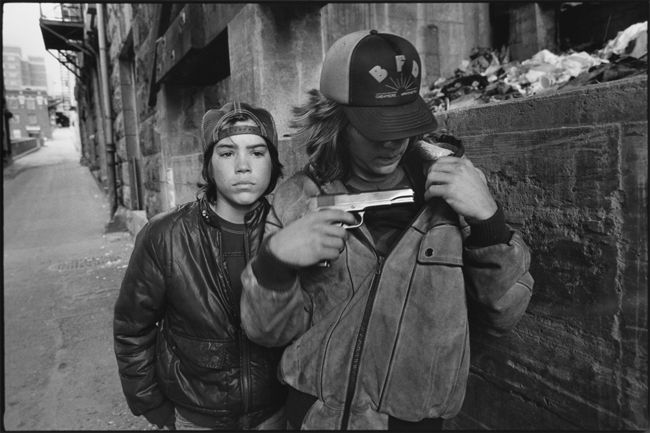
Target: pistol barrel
359 201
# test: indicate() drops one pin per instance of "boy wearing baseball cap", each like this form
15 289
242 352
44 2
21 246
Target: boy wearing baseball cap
379 336
183 358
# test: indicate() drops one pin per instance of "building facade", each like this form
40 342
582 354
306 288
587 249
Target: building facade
26 94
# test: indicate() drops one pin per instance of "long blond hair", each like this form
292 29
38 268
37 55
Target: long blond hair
321 127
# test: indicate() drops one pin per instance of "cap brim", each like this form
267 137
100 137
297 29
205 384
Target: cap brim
392 123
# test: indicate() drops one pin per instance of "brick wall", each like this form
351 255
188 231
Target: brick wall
570 170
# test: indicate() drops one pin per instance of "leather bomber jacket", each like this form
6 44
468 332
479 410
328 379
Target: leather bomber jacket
177 331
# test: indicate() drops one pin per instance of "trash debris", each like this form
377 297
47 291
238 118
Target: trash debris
632 41
490 76
616 69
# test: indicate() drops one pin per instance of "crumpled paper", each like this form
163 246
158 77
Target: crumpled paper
633 41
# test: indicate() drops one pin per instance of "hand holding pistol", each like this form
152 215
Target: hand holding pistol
357 203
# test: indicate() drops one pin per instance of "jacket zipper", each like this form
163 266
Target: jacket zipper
245 346
358 346
225 290
361 335
229 303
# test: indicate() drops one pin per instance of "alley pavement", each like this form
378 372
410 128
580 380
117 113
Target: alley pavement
62 273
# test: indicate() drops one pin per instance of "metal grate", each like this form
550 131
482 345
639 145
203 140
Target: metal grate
86 262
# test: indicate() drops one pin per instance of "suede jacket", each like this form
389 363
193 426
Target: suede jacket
373 336
178 339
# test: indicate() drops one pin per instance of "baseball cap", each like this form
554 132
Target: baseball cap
376 77
213 129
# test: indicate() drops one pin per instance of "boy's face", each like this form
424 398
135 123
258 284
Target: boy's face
241 168
373 160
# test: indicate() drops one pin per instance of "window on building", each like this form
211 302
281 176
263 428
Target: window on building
12 102
33 120
31 103
16 118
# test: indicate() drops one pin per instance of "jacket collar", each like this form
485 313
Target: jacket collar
212 219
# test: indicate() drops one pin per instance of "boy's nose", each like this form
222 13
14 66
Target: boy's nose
242 164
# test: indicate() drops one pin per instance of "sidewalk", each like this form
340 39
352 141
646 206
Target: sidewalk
62 273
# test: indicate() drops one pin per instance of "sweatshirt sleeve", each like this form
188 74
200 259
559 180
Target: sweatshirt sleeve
498 282
139 306
274 308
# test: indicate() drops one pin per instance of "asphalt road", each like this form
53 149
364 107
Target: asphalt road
61 277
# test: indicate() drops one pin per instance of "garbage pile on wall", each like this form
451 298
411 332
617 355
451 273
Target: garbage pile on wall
490 76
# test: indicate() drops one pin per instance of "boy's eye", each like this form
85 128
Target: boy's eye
259 153
225 154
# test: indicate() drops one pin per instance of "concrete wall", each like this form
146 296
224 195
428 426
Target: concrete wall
275 54
143 28
570 170
534 27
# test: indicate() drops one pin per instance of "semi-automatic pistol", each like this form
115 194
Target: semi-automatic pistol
357 203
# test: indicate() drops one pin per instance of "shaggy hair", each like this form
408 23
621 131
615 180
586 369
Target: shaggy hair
208 187
321 125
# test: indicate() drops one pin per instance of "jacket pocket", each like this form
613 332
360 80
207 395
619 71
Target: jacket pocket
428 353
442 245
204 353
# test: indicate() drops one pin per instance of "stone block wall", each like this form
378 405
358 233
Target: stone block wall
180 112
275 54
143 28
532 28
570 169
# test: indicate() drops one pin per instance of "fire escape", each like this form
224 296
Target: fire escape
63 30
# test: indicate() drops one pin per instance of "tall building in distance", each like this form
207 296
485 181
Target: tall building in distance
12 67
26 94
37 72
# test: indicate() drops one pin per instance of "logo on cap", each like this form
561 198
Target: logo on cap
399 86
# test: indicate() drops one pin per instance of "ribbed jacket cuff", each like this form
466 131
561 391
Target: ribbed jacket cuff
488 232
271 272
